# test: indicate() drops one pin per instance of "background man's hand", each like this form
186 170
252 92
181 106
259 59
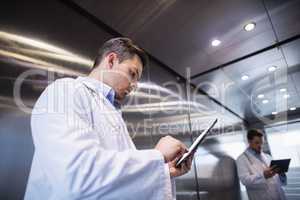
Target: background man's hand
170 148
270 172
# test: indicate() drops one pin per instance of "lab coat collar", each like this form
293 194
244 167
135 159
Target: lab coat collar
99 87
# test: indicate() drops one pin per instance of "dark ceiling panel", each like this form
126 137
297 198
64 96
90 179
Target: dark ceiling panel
179 33
285 17
292 53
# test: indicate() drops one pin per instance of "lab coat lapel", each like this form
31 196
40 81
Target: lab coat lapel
266 159
117 136
255 163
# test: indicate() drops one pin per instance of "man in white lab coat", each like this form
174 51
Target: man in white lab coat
261 181
82 146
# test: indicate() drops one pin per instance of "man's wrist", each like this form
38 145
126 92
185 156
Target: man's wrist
161 154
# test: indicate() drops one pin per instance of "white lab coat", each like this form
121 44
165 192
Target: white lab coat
250 171
83 149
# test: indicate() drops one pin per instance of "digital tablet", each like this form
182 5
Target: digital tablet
282 164
195 144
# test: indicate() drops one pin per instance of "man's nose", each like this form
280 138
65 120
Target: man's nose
133 86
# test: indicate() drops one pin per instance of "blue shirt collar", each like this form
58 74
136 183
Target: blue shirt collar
253 152
257 155
99 87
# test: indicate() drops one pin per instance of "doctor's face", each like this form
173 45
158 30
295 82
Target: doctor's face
125 76
256 143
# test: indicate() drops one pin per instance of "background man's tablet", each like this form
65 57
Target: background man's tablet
282 164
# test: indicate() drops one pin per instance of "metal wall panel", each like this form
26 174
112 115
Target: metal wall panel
170 117
16 150
215 159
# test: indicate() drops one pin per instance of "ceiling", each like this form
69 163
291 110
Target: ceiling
179 35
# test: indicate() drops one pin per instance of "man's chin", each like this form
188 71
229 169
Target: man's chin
120 99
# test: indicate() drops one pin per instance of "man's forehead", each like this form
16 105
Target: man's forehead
138 65
138 61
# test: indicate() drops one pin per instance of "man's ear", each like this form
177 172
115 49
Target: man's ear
111 58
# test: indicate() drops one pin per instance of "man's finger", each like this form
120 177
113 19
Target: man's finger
273 167
190 160
184 168
277 170
183 147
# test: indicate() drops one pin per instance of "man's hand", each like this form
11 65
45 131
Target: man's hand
271 171
183 168
170 148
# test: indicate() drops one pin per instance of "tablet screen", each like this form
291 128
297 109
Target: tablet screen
283 164
196 143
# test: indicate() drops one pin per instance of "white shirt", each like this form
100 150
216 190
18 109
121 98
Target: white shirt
83 149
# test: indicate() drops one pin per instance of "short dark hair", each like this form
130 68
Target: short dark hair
124 48
253 133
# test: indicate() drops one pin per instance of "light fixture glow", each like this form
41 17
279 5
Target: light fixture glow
245 77
265 101
272 69
274 113
162 106
215 42
286 96
144 95
249 26
40 64
41 49
293 108
282 90
260 96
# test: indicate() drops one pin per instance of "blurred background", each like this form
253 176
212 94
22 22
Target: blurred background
235 60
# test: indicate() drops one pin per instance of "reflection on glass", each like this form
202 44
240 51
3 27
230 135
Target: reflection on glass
38 54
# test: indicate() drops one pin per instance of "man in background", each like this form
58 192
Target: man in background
261 181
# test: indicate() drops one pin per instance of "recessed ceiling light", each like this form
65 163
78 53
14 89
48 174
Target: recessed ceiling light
286 96
265 101
245 77
260 96
272 68
293 108
215 42
282 90
274 113
249 26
